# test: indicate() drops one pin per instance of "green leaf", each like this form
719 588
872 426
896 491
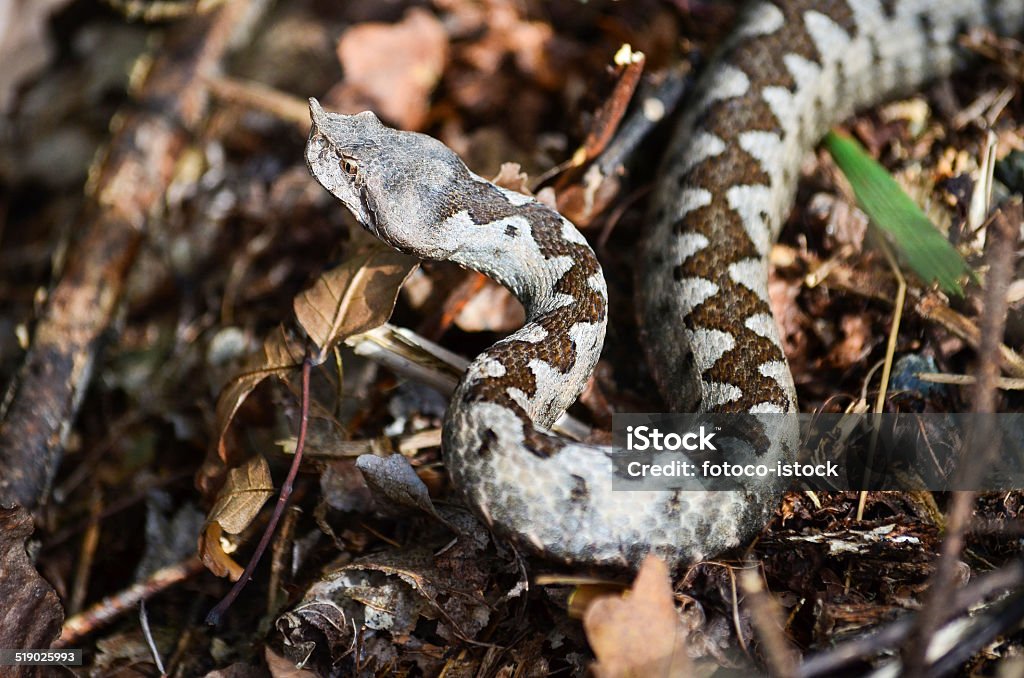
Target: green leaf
914 236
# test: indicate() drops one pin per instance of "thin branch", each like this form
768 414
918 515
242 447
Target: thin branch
111 607
217 613
144 621
1001 248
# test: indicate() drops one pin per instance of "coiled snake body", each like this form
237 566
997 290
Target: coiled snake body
790 69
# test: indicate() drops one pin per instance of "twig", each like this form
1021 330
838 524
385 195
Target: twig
144 621
608 117
894 331
735 600
90 542
935 310
217 613
1003 383
1001 247
890 351
261 97
108 609
891 636
768 623
275 596
127 187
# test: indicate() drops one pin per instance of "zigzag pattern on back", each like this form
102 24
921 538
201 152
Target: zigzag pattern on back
790 70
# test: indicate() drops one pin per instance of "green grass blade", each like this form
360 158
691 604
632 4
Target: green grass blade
913 235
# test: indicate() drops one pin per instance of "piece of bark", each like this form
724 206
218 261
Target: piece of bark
127 190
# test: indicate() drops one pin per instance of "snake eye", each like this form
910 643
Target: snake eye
349 167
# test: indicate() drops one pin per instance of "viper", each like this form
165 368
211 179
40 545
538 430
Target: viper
789 70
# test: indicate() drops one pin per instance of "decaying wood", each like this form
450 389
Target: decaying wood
125 194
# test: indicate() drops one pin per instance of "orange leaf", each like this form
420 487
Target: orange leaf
214 558
279 357
639 634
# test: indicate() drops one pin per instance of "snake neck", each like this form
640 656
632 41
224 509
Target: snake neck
538 371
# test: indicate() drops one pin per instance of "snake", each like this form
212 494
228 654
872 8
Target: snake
788 71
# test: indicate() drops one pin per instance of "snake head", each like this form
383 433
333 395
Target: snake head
338 146
397 184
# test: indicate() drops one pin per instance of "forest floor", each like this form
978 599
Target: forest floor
162 248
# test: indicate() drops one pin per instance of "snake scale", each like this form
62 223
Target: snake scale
789 70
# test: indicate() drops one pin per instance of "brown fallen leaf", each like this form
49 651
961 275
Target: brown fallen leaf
856 343
279 357
213 555
639 633
393 68
394 478
32 614
511 176
246 490
284 668
491 309
352 298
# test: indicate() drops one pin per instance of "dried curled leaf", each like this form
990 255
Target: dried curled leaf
380 599
355 297
393 477
639 634
511 176
214 558
246 490
279 357
32 612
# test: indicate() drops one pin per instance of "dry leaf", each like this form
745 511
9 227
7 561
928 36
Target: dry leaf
246 490
512 177
355 297
281 667
491 309
32 613
639 634
394 477
393 68
279 357
214 558
390 592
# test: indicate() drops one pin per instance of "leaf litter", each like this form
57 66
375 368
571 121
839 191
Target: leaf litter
384 587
